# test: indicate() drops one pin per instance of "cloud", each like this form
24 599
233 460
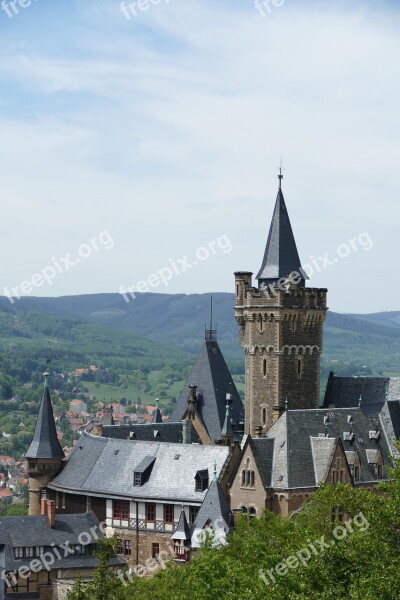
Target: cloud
131 125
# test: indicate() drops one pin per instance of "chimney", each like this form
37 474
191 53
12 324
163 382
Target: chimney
186 431
43 507
258 431
51 513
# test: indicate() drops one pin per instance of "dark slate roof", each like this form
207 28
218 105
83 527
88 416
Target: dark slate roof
263 450
45 443
161 432
157 417
105 467
280 256
183 530
35 531
296 463
211 375
214 512
344 392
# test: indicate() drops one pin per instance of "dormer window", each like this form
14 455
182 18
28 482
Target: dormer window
143 471
201 480
375 461
353 460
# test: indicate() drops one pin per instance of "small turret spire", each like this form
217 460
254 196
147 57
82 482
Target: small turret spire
215 476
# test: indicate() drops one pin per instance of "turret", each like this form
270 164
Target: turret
45 454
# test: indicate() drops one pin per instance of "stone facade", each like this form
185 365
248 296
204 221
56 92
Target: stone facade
281 333
41 472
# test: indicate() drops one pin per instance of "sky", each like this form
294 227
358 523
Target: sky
140 144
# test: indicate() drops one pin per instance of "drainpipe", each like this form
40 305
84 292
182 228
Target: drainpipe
137 532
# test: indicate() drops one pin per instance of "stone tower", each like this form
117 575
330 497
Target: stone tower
280 327
45 454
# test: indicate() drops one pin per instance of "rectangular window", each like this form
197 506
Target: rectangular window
193 511
128 547
29 552
168 514
121 510
155 550
39 551
150 512
19 552
120 546
137 479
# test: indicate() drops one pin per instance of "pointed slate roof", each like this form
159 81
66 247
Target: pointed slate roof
227 429
45 443
157 417
213 380
281 256
183 530
214 512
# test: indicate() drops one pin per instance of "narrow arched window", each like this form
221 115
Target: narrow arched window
252 478
299 368
261 324
265 367
264 416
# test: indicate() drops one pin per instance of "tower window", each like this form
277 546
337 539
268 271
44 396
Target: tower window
265 367
237 290
264 416
261 324
299 368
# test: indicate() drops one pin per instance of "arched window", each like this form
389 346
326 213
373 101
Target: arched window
264 416
299 368
243 478
252 479
265 367
261 323
237 290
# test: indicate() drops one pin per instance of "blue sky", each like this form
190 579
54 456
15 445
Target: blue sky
166 131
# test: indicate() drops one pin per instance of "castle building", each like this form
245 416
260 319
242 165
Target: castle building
280 327
159 486
139 489
304 448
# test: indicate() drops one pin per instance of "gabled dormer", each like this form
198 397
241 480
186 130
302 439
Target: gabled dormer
143 470
201 480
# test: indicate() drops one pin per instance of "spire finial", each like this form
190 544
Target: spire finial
46 373
286 404
210 334
157 398
387 392
280 176
215 478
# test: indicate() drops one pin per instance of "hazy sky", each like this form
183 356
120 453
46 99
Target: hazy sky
162 133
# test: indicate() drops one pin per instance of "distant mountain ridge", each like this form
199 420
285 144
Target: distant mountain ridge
177 321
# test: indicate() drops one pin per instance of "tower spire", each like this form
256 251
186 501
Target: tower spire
280 257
